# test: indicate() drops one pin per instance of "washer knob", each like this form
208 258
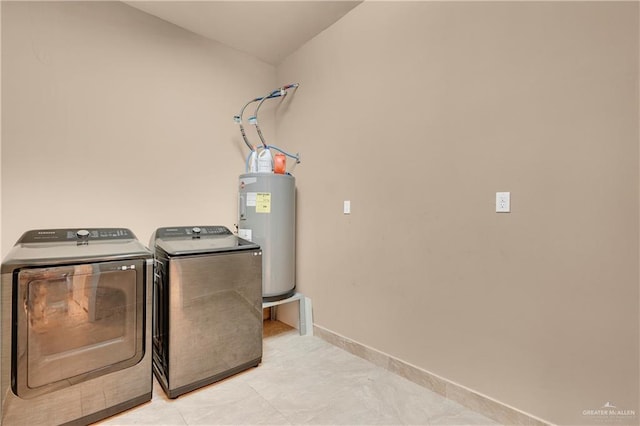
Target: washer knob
196 232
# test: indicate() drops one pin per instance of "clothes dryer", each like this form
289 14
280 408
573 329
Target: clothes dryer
76 326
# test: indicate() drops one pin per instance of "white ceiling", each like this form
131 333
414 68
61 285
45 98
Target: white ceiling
269 30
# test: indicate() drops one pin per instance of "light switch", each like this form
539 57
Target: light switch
503 202
347 207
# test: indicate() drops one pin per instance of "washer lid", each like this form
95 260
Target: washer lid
57 246
186 240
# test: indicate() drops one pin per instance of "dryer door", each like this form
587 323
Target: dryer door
75 323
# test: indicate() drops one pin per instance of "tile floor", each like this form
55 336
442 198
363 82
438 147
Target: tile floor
304 380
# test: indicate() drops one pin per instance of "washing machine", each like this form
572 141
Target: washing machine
75 314
207 306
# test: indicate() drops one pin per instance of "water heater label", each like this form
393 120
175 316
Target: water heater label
263 202
251 199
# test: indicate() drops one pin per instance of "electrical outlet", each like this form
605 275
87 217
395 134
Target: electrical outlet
503 202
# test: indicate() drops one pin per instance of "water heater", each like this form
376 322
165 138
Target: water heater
266 216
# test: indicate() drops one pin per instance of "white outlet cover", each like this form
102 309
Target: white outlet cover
503 202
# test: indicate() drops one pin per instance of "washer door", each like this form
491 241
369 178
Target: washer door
75 323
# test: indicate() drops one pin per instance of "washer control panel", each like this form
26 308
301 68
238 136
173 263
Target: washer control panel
76 234
192 232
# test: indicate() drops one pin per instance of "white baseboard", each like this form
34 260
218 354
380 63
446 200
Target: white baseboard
487 406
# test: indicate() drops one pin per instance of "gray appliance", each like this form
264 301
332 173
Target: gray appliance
207 306
267 216
76 326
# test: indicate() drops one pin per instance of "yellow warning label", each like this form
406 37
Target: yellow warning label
263 202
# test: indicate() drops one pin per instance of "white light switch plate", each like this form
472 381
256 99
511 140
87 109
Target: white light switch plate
347 207
503 202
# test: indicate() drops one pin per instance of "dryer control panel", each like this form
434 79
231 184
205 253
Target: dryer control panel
75 234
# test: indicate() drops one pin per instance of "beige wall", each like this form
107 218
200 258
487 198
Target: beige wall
418 113
111 117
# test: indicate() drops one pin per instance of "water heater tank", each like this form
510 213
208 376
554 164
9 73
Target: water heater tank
267 216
